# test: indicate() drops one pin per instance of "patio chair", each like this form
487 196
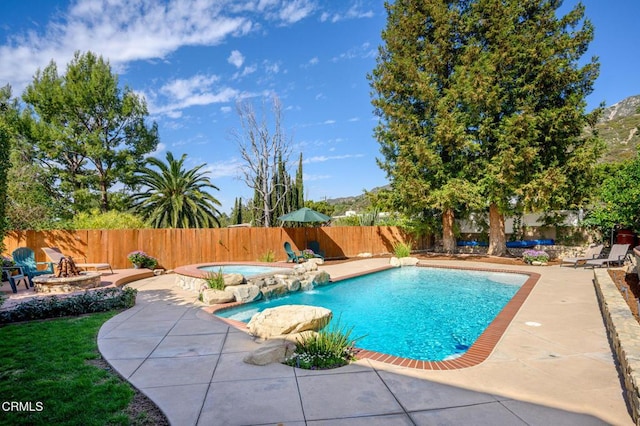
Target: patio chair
315 247
291 256
56 255
593 252
617 255
14 280
26 259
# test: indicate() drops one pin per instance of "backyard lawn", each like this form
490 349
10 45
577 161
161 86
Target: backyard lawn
52 373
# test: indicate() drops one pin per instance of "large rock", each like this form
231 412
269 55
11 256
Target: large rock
213 297
288 319
270 352
408 261
233 279
319 278
245 292
274 290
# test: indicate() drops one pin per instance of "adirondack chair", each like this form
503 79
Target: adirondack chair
26 259
315 247
291 255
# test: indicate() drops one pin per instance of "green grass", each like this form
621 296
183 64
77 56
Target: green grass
50 362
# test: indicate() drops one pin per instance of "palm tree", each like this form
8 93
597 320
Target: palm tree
172 197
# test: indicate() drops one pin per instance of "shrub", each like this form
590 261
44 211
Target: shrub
269 256
85 303
142 259
402 249
215 280
530 256
308 254
330 348
7 261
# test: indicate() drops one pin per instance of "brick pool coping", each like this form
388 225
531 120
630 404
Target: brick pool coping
477 353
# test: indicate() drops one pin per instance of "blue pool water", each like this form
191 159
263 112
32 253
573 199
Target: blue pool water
413 312
246 270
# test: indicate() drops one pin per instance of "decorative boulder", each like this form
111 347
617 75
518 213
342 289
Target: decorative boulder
293 284
394 261
245 292
270 352
233 279
213 297
408 261
288 319
319 278
274 290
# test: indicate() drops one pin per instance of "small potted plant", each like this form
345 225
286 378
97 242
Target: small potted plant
535 257
308 254
7 261
141 259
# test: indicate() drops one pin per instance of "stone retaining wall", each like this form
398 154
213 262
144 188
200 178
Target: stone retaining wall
624 335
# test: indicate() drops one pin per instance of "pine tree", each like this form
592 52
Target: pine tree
484 101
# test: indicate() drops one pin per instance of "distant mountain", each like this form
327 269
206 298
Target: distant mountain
618 127
357 203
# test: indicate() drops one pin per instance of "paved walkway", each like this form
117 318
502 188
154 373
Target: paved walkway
552 366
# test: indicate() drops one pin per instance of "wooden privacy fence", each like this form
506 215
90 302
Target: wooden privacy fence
175 247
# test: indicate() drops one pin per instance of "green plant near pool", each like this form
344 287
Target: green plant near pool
330 348
402 249
269 257
215 280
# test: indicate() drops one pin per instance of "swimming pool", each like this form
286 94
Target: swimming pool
418 313
246 270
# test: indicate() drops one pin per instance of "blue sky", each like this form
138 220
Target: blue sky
193 59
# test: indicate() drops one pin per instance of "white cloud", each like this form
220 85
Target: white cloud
123 31
323 158
219 169
225 109
354 12
365 50
310 178
296 10
236 58
179 94
329 122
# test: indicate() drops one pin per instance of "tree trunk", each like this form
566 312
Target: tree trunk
448 237
497 238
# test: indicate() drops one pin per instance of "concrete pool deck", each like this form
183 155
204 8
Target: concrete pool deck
553 365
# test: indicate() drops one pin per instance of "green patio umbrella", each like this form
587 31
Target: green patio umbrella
304 215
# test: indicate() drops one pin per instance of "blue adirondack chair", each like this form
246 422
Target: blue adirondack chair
26 259
315 247
291 256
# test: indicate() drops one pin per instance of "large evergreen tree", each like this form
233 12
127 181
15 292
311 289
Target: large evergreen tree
484 100
422 132
90 133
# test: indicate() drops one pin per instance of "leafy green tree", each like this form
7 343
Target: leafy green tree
618 199
109 220
90 133
483 101
173 197
523 94
422 133
4 168
320 206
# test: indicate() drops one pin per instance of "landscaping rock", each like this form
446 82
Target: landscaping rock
394 261
288 319
293 284
408 261
214 297
233 279
245 292
274 290
270 352
319 278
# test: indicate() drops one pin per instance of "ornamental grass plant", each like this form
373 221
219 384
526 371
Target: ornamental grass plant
330 348
402 249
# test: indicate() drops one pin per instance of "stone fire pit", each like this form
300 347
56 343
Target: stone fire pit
51 283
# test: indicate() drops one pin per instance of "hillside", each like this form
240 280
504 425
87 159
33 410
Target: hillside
618 127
